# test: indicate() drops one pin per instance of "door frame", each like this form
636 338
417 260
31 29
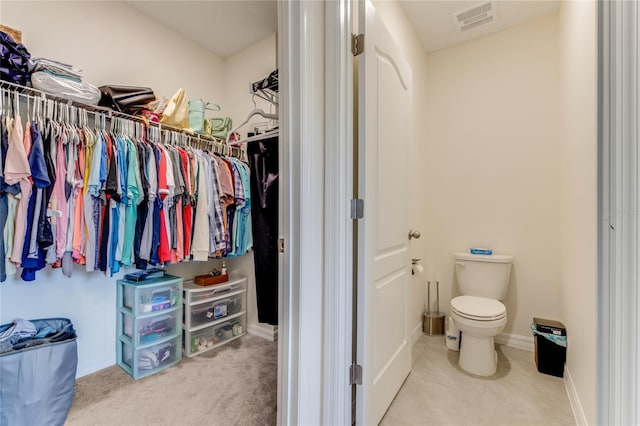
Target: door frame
301 59
618 374
316 172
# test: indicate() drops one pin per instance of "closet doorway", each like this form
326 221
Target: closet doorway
214 50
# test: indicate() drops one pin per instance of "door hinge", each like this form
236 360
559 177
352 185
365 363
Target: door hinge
357 44
281 245
357 208
355 374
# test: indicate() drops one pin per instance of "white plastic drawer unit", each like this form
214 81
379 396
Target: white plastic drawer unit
140 362
195 293
213 315
146 330
217 335
208 312
152 295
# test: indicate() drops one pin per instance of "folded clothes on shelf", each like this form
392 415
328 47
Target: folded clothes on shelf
57 68
66 88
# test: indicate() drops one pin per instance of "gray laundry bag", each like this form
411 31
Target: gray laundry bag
37 376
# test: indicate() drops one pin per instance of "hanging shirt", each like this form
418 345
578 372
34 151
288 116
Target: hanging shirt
216 220
17 170
33 251
200 244
58 199
90 194
152 178
133 198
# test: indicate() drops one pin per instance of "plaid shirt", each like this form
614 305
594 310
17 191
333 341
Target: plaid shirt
216 223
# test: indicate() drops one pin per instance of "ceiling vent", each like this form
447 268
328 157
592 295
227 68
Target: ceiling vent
475 16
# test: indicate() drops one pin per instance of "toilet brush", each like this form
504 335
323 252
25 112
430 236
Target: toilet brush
433 323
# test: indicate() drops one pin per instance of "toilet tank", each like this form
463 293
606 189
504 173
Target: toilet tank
483 276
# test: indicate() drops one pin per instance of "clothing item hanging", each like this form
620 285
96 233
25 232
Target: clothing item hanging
263 161
112 199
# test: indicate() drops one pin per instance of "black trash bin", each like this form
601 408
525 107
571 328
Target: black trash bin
550 338
37 374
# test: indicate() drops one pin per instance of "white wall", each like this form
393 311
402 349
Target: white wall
114 44
578 30
493 163
400 28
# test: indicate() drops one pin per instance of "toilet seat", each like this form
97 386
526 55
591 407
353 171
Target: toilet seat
478 308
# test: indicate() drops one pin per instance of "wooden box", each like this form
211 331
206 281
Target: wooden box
204 280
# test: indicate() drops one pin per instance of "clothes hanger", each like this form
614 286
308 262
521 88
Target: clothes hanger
256 111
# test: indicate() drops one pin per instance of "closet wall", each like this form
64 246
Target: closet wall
115 44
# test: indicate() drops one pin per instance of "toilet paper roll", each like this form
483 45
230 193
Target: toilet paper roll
417 268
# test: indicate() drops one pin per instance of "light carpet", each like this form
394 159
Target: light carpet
235 384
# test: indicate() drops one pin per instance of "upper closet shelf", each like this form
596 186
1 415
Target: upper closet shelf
34 94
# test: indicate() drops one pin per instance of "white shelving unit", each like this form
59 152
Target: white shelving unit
213 315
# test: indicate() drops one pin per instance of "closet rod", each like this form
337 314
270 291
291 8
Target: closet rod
30 91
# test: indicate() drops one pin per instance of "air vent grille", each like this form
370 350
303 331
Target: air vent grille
475 16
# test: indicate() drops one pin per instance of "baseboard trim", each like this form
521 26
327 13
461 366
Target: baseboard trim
265 331
94 366
574 400
416 333
515 341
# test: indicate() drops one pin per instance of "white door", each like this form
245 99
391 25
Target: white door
384 261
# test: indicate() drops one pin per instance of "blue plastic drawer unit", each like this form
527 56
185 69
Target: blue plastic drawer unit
149 325
144 297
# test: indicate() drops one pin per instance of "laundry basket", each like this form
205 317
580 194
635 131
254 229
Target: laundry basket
37 375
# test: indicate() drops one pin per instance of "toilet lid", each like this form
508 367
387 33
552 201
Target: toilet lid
479 308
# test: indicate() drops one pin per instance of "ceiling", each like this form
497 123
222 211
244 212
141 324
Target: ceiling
434 23
225 27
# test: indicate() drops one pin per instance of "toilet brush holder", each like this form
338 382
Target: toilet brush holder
433 323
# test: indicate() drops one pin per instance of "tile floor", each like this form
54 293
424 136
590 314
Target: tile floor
438 392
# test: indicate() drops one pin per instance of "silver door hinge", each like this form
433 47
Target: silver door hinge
355 374
281 245
357 208
357 44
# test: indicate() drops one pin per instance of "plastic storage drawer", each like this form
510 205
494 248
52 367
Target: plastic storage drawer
165 294
141 362
214 336
208 312
148 329
215 291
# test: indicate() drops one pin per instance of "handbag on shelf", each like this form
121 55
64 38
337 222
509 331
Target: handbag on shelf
126 98
218 127
177 111
197 109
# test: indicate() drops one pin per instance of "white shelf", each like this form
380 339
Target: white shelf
217 345
216 322
214 298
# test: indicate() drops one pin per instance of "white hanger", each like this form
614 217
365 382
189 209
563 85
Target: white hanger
255 112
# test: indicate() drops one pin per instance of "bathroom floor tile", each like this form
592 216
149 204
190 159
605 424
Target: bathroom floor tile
438 392
422 403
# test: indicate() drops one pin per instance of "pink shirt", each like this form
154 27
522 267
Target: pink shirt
17 170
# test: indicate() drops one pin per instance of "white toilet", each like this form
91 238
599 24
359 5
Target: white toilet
478 313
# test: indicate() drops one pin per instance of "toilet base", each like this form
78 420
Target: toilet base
478 355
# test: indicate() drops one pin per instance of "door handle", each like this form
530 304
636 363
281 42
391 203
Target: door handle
414 234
